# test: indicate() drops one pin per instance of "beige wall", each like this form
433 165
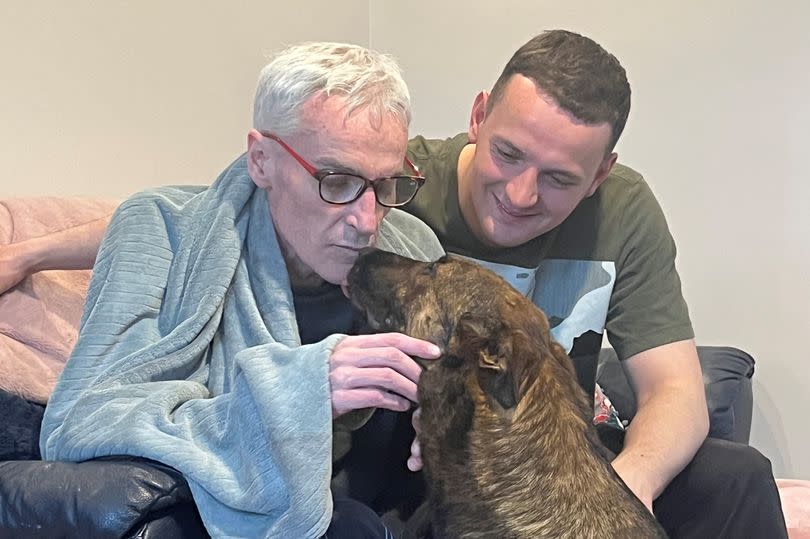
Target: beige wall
106 98
109 97
720 127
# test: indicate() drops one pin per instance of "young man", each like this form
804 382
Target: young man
214 340
533 191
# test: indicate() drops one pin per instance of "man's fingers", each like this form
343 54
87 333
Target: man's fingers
416 420
416 449
376 371
388 357
382 378
354 399
408 345
415 460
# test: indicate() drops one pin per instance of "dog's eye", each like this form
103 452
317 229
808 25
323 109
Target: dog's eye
430 269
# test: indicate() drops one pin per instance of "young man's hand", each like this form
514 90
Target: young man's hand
13 266
634 481
415 460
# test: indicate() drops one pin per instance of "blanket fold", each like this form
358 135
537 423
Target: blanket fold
189 354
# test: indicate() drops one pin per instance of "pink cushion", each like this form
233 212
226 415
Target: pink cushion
39 318
795 495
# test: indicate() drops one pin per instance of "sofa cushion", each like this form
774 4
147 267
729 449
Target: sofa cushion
116 497
19 430
795 497
726 372
39 318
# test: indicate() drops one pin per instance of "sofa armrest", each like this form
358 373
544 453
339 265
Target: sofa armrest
116 497
727 376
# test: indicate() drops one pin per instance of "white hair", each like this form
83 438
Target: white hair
366 78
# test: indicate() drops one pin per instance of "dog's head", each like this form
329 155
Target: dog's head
491 336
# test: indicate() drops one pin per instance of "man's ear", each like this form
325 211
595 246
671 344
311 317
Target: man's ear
477 116
258 159
602 172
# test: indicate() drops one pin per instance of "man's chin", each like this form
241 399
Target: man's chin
336 274
505 238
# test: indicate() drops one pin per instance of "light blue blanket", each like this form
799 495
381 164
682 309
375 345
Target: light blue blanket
189 354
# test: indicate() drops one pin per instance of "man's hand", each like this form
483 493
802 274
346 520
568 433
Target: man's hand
415 460
72 248
13 267
635 481
375 371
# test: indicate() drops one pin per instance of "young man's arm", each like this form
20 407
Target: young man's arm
72 248
672 420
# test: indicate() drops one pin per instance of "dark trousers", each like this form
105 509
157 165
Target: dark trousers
354 520
373 475
727 491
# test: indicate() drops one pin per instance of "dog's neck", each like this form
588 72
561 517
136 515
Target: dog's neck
499 465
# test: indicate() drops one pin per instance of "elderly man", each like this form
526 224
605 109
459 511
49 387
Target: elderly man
214 338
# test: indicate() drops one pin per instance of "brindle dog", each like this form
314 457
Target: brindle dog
508 444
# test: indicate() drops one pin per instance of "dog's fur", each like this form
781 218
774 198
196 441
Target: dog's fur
508 444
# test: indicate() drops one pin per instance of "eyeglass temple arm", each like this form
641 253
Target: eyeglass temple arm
413 166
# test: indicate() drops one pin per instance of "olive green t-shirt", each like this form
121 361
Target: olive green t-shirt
610 266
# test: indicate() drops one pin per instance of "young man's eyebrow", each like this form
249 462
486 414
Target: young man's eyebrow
518 153
509 146
562 172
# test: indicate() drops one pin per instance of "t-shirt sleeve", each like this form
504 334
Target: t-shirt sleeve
647 308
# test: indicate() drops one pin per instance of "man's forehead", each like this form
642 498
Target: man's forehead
354 141
370 163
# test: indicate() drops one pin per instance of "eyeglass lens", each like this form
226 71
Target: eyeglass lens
344 188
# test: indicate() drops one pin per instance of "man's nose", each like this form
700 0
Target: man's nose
522 190
364 213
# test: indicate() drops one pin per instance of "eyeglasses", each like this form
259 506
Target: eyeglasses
337 187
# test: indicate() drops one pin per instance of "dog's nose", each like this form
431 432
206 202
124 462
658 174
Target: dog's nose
361 261
359 272
366 251
369 257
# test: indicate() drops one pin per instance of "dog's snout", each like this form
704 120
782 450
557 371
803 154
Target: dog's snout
359 272
366 251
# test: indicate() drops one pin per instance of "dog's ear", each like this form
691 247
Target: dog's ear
481 338
497 380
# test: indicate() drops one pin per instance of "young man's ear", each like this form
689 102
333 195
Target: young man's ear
258 160
477 116
602 172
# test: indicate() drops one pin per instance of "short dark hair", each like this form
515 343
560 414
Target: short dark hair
577 73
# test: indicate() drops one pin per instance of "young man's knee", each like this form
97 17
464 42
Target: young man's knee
733 463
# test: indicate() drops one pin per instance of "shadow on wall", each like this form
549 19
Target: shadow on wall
768 432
